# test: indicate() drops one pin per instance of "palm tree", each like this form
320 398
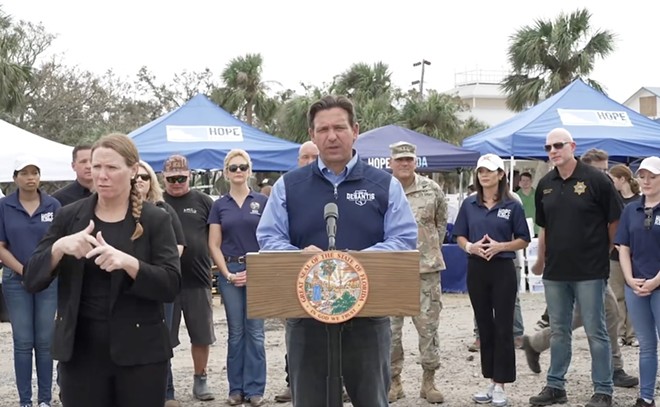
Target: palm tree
362 81
13 75
436 116
549 55
244 93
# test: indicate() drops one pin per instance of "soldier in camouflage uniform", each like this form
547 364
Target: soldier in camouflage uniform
430 208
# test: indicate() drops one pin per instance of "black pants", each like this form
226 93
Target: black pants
492 286
90 378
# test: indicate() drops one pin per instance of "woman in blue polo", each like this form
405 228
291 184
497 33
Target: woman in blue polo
490 227
232 234
638 240
25 216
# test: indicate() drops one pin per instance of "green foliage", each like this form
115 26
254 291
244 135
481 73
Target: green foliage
548 55
343 304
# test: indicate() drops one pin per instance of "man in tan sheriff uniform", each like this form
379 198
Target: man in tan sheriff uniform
430 208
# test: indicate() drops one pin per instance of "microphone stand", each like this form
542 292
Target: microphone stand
334 380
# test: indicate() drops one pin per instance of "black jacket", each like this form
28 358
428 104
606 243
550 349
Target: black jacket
138 334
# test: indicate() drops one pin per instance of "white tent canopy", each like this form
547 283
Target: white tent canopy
54 158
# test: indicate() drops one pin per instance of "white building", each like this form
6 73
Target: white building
646 102
481 91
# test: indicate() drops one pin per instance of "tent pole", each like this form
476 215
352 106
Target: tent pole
513 162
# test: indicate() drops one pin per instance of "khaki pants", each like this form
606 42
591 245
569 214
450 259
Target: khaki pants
426 323
617 282
540 341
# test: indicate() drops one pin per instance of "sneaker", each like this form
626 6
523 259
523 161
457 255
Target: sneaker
600 400
172 403
499 397
549 396
542 324
531 355
475 346
201 389
43 404
257 401
283 397
235 399
486 396
518 342
634 343
623 379
642 403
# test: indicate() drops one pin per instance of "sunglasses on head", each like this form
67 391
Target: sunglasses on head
242 167
648 220
177 179
557 146
143 177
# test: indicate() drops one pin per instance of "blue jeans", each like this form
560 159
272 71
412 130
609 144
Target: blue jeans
246 354
366 349
561 296
169 313
645 316
32 319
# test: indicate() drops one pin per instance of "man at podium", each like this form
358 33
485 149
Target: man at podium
373 215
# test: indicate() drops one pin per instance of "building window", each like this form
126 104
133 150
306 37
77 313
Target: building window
648 106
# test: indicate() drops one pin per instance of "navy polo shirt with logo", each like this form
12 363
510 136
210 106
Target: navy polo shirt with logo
503 222
575 213
644 242
21 231
239 224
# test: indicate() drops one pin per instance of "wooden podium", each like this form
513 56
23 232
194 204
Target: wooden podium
393 283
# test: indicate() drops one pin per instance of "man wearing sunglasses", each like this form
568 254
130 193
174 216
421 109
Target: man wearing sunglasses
577 209
195 301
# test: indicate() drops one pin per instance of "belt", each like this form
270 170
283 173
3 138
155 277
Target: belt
235 259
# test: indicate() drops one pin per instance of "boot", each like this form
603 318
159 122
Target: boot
396 390
428 391
201 390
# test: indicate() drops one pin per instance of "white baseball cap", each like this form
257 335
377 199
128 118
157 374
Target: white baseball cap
491 162
651 164
24 161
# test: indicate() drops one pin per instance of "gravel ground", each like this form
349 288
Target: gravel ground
458 377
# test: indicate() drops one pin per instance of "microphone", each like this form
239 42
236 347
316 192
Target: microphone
331 214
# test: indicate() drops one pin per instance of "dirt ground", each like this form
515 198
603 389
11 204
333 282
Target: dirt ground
458 378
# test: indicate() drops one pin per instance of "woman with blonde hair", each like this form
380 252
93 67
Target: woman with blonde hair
147 184
232 234
628 188
116 260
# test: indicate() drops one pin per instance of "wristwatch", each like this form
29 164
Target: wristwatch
230 278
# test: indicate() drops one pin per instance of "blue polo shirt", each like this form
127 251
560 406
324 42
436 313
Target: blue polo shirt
504 222
239 224
644 243
22 232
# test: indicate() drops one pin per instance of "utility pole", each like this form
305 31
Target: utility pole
421 81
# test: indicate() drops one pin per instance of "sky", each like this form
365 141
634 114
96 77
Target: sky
311 41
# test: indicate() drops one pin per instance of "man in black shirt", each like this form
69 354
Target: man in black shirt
577 209
195 299
82 186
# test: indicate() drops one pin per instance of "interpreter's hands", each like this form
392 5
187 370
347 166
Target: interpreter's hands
240 278
492 247
78 244
312 249
478 248
109 258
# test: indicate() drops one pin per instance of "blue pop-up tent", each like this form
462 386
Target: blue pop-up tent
594 120
432 154
204 133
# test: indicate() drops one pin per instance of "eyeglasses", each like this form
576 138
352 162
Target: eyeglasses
557 146
177 179
144 177
242 167
648 221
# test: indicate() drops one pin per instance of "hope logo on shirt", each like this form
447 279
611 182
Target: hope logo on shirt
190 210
47 217
504 213
657 220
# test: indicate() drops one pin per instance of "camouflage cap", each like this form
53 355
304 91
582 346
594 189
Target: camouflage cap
403 149
176 163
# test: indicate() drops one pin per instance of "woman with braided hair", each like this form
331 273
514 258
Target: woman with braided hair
117 262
